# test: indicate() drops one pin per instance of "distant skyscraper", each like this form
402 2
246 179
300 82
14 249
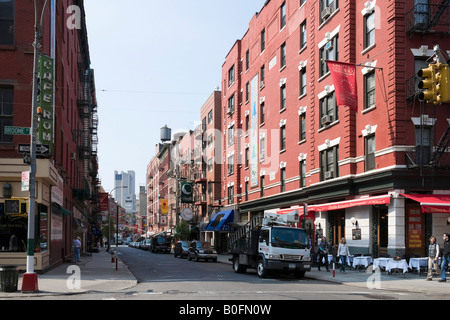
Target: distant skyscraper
125 196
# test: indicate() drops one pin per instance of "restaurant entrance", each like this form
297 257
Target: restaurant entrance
338 226
382 229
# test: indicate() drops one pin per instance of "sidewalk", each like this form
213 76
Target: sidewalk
97 273
408 282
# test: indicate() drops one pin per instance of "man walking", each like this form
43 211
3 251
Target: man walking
76 249
445 257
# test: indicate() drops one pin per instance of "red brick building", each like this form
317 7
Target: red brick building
287 143
67 194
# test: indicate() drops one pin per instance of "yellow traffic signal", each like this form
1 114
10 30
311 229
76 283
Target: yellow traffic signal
429 84
442 86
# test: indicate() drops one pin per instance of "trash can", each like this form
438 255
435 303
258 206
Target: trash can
9 276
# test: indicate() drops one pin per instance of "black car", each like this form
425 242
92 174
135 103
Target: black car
202 250
181 249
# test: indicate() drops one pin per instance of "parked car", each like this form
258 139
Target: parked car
181 249
202 250
147 244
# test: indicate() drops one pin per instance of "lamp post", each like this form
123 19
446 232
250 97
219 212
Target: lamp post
30 279
117 224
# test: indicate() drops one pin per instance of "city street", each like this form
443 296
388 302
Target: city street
162 277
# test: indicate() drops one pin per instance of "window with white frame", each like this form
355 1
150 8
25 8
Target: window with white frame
330 51
328 110
329 167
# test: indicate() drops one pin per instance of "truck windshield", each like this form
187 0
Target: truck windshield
291 238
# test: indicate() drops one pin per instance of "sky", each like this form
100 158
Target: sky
155 64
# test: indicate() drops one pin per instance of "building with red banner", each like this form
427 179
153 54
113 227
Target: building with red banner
362 170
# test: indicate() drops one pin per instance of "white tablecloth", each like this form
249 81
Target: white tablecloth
417 263
381 262
361 261
397 265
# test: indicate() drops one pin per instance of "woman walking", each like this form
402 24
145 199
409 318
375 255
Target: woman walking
343 252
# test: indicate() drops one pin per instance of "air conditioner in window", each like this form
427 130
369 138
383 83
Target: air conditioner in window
261 84
326 13
229 111
73 156
326 120
329 175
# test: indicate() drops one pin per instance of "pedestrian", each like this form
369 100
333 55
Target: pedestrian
445 257
343 253
13 243
433 256
323 252
76 249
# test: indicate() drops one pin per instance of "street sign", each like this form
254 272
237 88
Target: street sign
26 181
41 149
17 130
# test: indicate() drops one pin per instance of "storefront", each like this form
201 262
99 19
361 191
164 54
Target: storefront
218 229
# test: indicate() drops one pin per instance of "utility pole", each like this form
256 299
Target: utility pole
30 279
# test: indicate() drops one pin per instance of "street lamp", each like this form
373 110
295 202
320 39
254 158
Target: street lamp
30 279
117 224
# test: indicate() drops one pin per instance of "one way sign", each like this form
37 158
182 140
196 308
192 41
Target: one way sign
41 149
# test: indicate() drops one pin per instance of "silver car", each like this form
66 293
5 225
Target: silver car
202 250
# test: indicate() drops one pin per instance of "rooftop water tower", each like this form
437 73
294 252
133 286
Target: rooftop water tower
166 134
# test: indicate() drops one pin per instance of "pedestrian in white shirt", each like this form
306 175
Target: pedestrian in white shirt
343 252
433 256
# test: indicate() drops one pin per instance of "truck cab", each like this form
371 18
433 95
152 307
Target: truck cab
273 246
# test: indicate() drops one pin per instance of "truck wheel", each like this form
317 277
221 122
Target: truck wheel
260 269
238 268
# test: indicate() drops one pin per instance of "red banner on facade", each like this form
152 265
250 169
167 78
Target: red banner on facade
378 200
103 201
344 80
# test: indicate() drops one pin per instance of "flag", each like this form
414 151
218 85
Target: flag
164 205
344 80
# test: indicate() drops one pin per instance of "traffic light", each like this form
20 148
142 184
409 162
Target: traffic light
442 86
429 84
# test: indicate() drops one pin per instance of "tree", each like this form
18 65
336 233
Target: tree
182 230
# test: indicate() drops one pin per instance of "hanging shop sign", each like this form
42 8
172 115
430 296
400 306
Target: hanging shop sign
46 101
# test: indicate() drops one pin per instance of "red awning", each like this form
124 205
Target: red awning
432 203
385 199
310 214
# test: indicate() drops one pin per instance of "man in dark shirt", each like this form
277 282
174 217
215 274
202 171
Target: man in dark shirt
445 257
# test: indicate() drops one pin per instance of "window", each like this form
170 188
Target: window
302 173
210 165
302 2
247 124
231 135
369 148
210 141
247 157
283 179
328 110
424 144
283 138
283 15
263 40
302 127
369 30
246 190
6 112
283 55
231 76
303 35
302 82
329 163
231 195
263 76
261 180
330 51
327 7
231 164
369 90
7 22
247 60
231 105
247 91
283 97
262 113
210 117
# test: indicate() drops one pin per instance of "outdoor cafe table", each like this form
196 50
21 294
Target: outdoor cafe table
362 261
392 264
381 262
417 263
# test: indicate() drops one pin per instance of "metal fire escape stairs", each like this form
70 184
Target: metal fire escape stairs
241 238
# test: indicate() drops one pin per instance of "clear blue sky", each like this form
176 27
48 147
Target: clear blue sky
156 63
